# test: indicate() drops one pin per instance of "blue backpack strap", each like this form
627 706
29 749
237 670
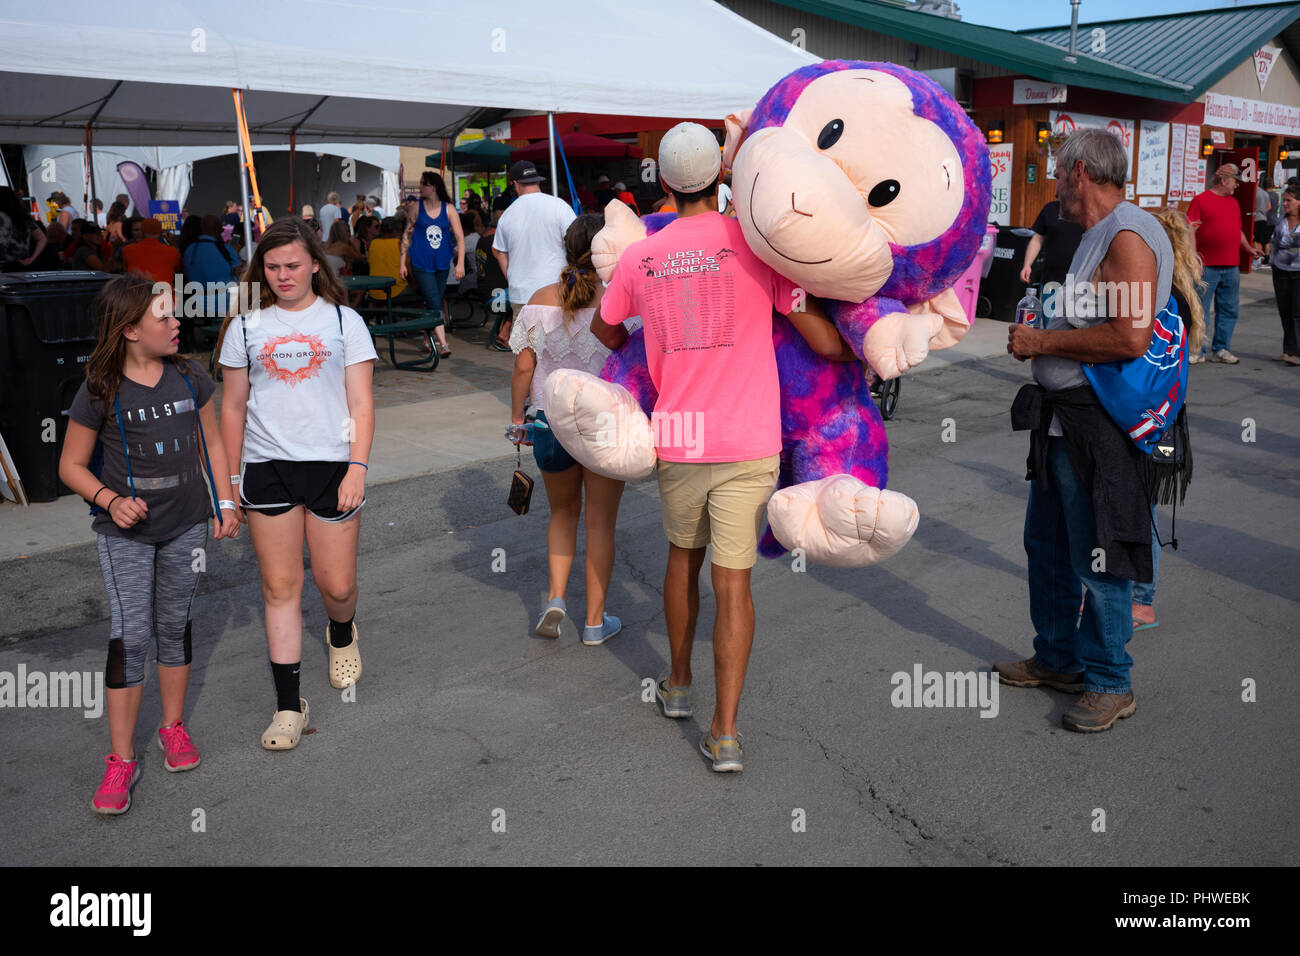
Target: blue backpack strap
97 458
96 466
203 445
121 431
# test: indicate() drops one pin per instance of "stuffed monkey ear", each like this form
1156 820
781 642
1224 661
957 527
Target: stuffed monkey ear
737 126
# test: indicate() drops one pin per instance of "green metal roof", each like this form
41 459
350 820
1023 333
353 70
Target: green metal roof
1194 50
1005 48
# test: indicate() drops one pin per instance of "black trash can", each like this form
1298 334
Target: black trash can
47 332
1002 286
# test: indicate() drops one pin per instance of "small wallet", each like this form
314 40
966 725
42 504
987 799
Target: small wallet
521 487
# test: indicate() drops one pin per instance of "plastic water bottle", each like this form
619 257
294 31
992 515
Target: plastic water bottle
1029 311
522 433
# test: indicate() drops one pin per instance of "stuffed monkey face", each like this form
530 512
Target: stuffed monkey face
851 171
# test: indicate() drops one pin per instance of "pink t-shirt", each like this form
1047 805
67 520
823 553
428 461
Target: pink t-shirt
706 302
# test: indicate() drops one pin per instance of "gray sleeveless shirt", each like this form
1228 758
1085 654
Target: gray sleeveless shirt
1078 304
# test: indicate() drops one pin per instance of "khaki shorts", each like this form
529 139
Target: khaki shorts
722 504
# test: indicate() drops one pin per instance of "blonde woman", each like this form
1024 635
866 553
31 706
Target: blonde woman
1187 284
554 331
1186 289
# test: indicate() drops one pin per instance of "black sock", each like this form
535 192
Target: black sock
340 632
286 686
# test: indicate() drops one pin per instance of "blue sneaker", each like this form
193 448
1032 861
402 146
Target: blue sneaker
594 634
549 623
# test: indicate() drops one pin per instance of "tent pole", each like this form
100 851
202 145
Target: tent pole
293 141
550 138
243 192
90 163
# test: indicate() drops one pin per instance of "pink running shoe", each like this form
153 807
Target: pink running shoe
114 794
180 750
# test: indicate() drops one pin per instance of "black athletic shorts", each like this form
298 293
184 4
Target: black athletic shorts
274 487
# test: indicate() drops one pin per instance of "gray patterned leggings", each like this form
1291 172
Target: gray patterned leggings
150 589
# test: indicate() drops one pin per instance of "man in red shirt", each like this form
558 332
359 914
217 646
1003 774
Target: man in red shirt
1216 220
150 257
706 302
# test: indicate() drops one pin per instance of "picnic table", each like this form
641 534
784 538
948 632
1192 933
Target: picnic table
413 320
369 284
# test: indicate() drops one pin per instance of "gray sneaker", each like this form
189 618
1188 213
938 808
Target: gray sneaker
548 625
723 751
674 701
1226 357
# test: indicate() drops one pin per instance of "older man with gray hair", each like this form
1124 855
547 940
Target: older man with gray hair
1087 525
330 213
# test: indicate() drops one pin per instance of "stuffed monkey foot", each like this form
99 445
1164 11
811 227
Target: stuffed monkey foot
842 522
600 424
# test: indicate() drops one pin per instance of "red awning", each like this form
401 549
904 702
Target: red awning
578 146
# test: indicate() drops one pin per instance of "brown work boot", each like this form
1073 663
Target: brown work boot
1094 712
1026 673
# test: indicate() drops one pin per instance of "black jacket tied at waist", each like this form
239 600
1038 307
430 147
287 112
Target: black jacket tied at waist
1107 463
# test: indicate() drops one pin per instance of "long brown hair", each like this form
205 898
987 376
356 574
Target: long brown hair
578 278
121 303
284 232
1187 272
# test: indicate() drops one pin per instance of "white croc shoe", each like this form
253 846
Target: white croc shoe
286 728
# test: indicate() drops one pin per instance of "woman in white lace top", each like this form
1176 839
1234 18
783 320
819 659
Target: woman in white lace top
554 331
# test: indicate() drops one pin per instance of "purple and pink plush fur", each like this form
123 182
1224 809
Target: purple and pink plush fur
829 422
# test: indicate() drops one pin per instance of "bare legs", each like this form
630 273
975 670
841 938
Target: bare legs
733 630
124 707
564 491
278 543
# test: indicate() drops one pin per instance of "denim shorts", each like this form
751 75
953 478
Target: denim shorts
547 451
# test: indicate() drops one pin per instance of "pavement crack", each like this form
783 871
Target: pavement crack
894 813
636 573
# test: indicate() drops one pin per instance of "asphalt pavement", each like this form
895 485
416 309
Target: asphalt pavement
472 741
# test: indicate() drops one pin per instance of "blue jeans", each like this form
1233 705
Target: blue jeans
1145 594
432 286
1059 539
1221 287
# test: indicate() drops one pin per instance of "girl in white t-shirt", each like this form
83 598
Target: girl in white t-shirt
554 331
298 414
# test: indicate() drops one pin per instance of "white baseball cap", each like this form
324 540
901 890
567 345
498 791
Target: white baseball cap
689 158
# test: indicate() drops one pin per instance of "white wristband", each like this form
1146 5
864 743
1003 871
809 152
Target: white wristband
234 479
226 505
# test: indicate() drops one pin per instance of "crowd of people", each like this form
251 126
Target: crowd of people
209 249
278 454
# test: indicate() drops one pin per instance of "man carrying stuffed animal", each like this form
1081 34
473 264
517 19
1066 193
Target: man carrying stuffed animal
1108 386
706 301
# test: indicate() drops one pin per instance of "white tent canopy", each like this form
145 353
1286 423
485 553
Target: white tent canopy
149 73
